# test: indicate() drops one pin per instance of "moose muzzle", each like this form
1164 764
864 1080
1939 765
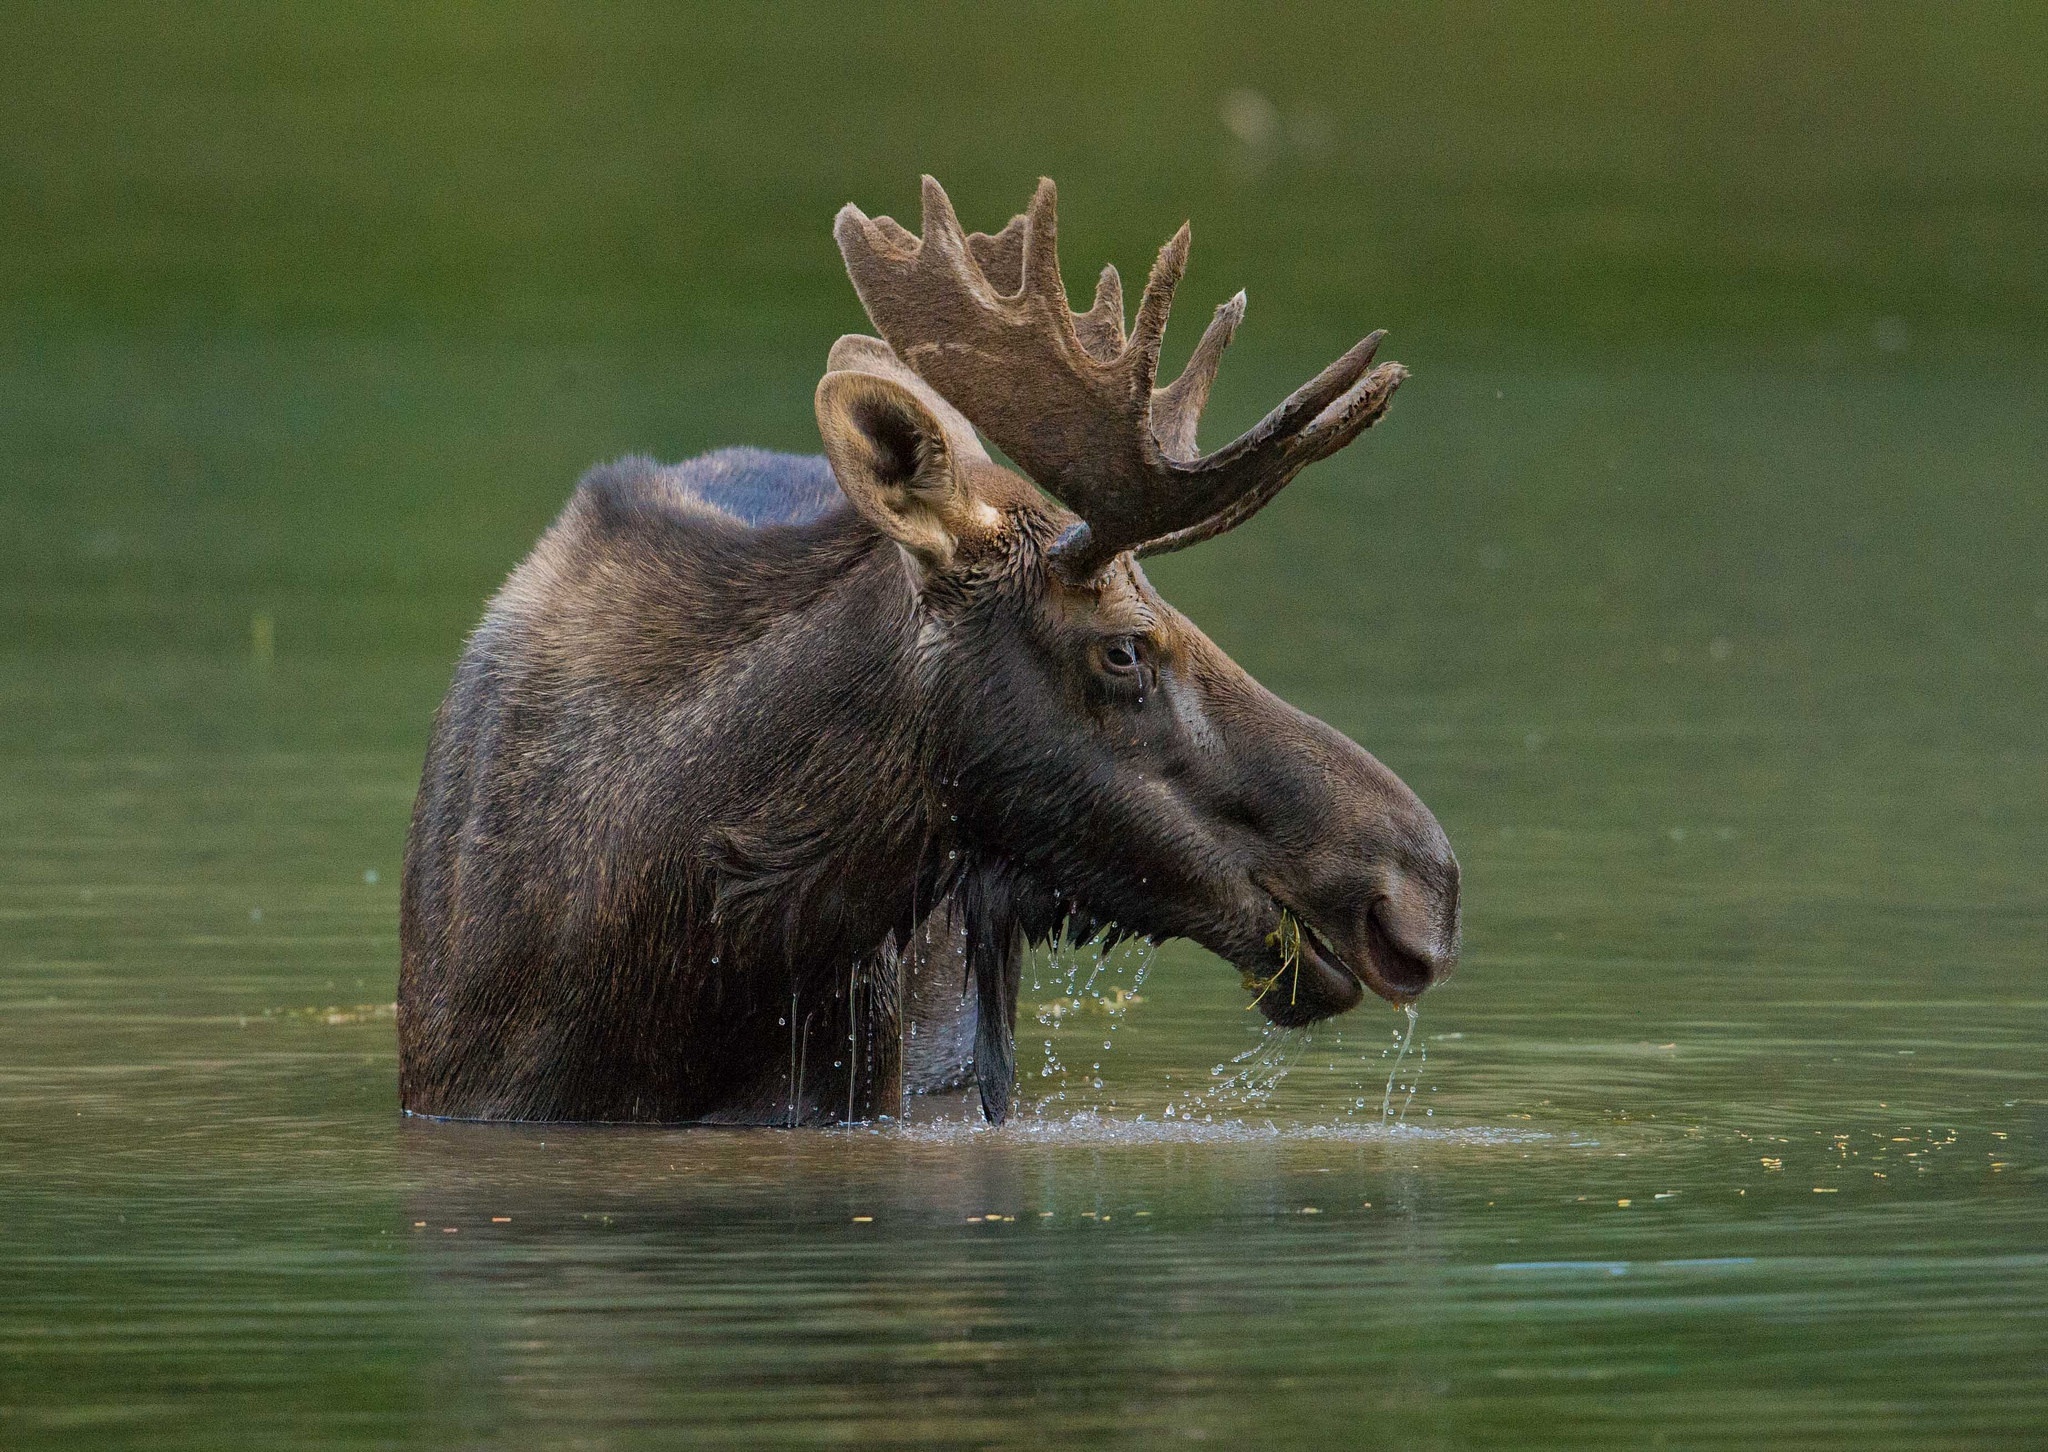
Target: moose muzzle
1362 878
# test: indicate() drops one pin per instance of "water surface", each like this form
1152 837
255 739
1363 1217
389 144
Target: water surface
1696 582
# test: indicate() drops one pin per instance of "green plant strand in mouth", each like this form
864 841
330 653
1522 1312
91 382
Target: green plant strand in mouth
1287 938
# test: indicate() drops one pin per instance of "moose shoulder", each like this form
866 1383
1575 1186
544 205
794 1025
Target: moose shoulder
761 770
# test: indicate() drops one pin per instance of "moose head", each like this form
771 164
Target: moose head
1120 767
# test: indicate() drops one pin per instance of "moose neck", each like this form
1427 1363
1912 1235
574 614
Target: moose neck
826 834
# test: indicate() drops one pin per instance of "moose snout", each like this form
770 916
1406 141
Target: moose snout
1412 927
1399 885
1382 922
1390 903
1377 887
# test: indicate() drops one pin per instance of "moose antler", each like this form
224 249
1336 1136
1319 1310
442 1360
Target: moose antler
984 319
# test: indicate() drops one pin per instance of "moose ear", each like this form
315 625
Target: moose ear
894 462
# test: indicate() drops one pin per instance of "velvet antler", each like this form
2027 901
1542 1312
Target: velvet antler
984 320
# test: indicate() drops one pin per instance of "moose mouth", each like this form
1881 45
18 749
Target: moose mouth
1306 979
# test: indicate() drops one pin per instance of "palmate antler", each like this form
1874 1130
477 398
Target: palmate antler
1071 399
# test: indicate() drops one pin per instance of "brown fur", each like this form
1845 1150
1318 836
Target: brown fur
753 749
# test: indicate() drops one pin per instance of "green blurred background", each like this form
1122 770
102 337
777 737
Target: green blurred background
353 295
1696 580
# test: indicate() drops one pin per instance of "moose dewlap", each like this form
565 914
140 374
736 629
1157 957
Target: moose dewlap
759 762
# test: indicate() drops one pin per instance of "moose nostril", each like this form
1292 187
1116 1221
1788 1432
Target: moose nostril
1417 915
1406 965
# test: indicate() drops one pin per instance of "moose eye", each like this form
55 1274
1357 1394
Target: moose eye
1120 657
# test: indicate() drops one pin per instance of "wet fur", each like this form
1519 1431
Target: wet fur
747 745
674 823
726 765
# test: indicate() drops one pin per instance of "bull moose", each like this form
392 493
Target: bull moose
762 770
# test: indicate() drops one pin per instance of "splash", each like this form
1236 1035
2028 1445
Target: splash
1089 1127
1080 992
1248 1081
1075 1000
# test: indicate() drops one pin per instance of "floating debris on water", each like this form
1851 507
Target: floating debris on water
336 1013
1117 1000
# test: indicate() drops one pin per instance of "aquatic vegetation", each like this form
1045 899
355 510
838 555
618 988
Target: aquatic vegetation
1287 939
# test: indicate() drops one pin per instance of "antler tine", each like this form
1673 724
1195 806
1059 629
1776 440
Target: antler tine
1001 257
1101 328
945 236
897 237
1149 331
1177 408
1301 408
1340 423
1042 280
1351 415
1313 422
941 226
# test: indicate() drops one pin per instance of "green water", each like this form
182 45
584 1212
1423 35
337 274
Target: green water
1698 581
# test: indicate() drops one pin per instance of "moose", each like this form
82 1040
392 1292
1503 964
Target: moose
762 770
